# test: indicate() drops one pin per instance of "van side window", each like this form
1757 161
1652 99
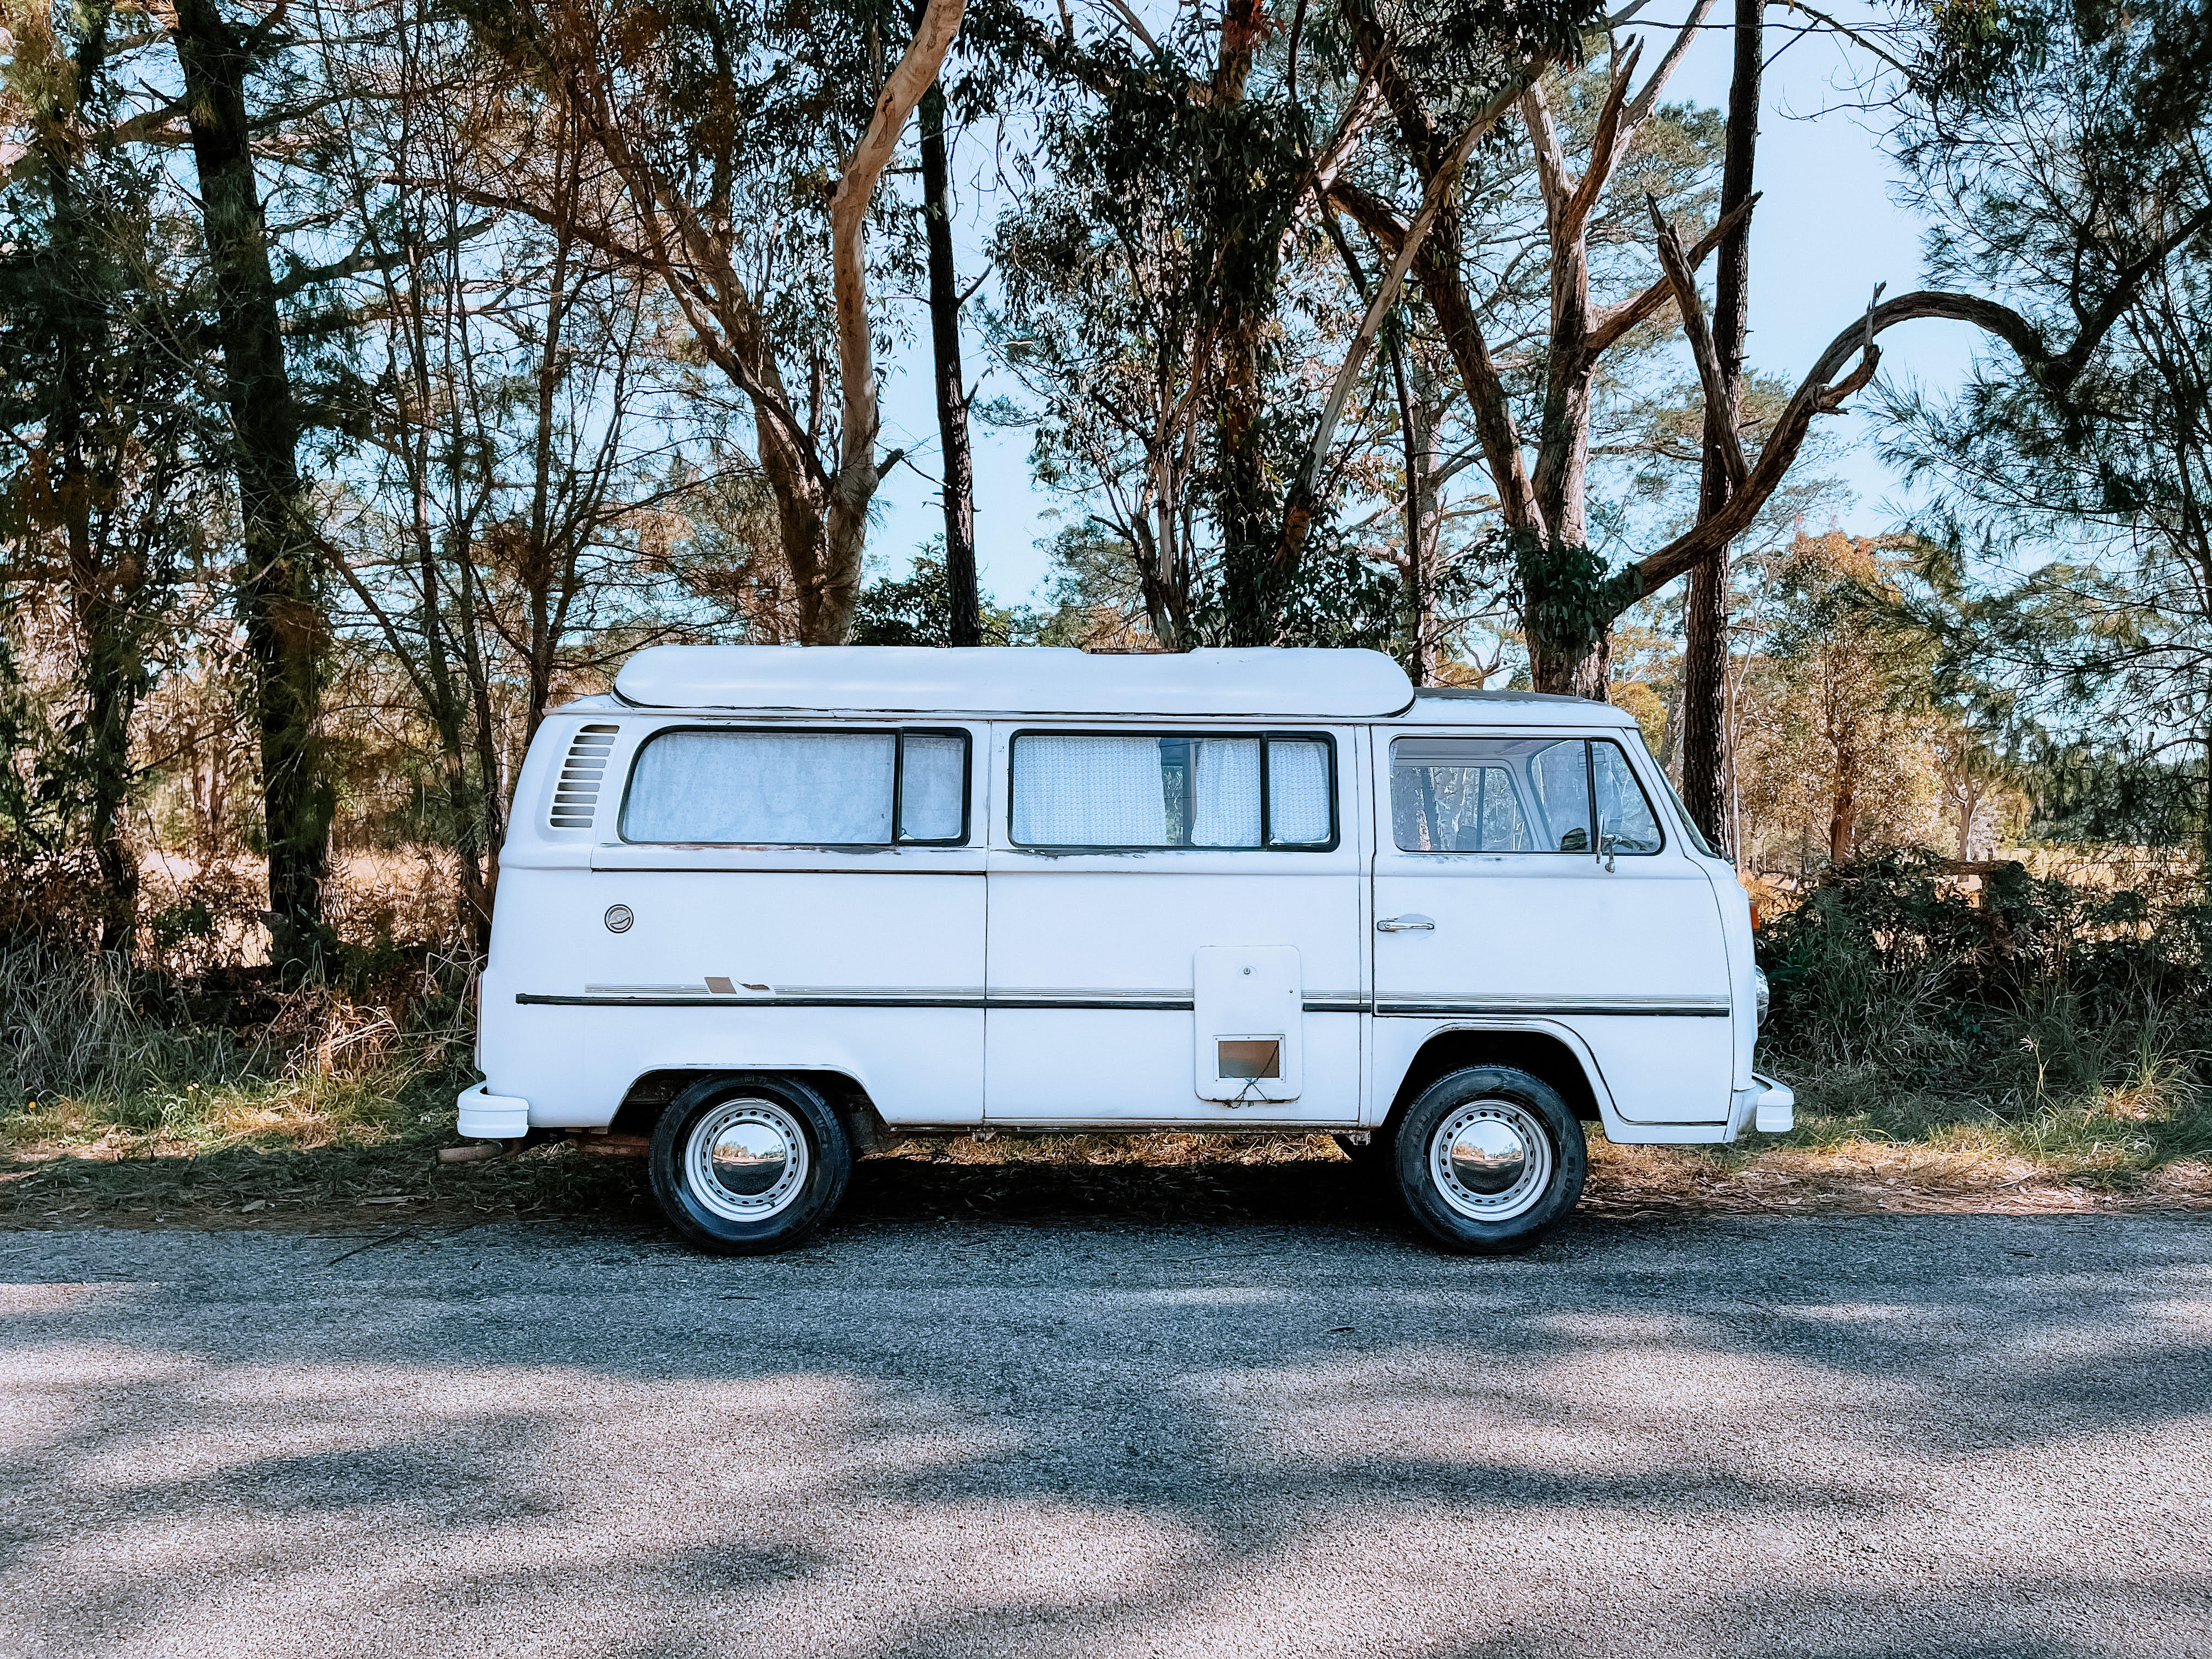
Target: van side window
1115 791
1516 795
799 788
1626 823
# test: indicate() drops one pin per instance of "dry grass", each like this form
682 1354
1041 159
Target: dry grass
354 1153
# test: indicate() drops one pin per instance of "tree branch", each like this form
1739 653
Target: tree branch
1487 403
1817 395
1298 520
848 212
1719 416
1616 320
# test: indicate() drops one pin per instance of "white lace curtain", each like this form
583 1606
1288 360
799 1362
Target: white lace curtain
826 788
1088 792
1298 790
1138 791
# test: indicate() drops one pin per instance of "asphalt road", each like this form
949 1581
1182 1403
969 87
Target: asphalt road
1924 1436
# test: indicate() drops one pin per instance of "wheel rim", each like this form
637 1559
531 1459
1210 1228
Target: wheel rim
746 1160
1491 1160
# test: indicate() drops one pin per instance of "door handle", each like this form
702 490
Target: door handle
1406 924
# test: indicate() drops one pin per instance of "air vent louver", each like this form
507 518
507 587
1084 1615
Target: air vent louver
576 795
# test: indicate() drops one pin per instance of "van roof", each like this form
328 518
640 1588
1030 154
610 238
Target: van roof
1453 705
1292 683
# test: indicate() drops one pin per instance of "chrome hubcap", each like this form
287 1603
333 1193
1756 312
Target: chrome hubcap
1491 1160
746 1159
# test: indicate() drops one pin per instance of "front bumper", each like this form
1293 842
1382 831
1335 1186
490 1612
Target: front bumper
1774 1106
485 1116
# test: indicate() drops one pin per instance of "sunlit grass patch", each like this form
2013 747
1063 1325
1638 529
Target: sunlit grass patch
301 1111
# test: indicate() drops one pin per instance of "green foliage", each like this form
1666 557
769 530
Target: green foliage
101 406
1566 595
2057 149
2086 791
917 609
2032 989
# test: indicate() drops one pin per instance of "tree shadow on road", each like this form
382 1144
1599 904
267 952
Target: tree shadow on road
1235 1410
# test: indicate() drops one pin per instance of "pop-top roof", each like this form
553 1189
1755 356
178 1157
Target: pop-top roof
1295 683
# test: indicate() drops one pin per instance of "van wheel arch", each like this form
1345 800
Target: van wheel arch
651 1094
1540 1053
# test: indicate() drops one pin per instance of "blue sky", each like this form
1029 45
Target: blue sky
1826 231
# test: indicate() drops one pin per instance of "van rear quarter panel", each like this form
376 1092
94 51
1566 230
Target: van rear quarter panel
574 1063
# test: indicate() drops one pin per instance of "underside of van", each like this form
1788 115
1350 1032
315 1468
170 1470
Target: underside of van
764 910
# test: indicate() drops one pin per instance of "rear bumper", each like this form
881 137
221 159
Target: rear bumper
485 1116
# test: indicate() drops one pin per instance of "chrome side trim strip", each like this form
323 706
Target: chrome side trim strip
1153 1000
1430 1002
1160 1000
1166 1002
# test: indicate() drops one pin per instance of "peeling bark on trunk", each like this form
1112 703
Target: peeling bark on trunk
828 591
280 598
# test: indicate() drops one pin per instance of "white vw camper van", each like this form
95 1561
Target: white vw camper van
776 908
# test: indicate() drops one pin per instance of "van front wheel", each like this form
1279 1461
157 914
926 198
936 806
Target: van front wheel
1488 1159
748 1164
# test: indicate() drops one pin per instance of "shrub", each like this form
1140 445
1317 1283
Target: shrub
1894 974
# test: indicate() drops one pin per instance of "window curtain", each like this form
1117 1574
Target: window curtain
1224 792
1088 792
763 788
1297 790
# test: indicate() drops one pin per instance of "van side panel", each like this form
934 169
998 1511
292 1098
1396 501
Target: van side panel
867 962
1098 937
1627 952
573 1051
1094 1003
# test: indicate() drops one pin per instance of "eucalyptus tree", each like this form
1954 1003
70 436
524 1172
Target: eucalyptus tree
228 62
2060 152
735 151
101 423
1568 592
1188 168
956 454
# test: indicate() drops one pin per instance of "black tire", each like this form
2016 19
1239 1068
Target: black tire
751 1204
1494 1109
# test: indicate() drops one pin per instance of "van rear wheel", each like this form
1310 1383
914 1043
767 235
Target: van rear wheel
748 1164
1489 1159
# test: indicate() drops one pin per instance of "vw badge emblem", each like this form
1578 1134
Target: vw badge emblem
618 918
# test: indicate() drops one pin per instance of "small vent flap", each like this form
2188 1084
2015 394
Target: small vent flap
576 793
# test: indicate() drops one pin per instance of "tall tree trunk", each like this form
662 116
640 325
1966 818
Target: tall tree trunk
1417 427
1705 659
280 599
1243 289
827 611
1843 812
951 387
101 585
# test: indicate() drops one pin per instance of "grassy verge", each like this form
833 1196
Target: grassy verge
359 1154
